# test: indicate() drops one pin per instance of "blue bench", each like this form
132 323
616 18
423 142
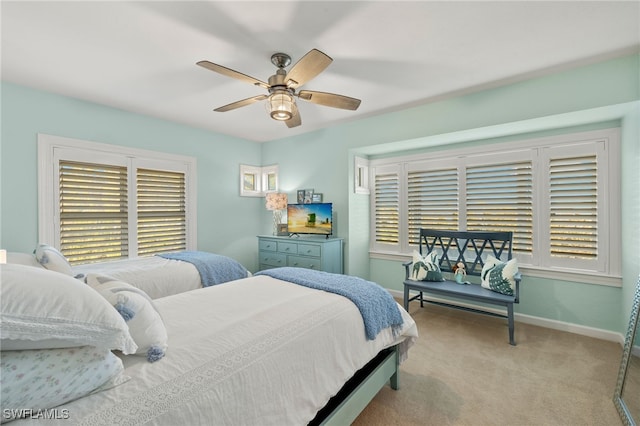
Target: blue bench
469 248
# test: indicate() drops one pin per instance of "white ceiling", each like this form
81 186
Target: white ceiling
140 56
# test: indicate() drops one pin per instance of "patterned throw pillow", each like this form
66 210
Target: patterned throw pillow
44 378
425 268
499 276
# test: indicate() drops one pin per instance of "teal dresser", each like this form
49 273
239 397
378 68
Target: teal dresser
321 254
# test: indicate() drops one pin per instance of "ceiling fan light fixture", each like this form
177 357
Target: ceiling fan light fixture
281 106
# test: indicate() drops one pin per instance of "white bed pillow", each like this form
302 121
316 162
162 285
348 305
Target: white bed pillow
138 310
51 258
28 259
45 378
42 309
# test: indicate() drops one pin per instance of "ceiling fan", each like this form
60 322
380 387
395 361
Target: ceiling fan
282 87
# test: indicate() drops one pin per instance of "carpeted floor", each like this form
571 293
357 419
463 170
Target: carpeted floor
462 371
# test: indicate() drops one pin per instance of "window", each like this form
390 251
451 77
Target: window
257 181
101 202
560 196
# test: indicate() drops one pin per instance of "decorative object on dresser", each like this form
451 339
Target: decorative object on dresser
311 253
276 201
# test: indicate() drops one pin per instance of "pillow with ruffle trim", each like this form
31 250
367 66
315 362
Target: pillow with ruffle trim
43 309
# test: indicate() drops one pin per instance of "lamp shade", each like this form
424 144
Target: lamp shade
276 201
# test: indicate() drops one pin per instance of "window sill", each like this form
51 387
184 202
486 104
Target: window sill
530 271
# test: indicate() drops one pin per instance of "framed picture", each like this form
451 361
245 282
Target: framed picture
308 195
282 229
316 197
300 196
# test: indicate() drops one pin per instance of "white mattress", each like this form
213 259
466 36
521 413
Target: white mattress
256 351
155 275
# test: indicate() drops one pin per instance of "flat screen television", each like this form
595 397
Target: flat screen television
315 218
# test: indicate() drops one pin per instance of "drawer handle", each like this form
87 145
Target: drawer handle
286 249
311 266
295 264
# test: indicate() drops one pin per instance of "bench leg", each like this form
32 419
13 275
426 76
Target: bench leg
406 298
421 300
511 324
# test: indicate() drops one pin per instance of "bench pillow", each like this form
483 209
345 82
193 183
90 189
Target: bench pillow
499 276
425 268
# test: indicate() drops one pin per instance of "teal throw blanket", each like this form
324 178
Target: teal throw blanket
378 308
213 268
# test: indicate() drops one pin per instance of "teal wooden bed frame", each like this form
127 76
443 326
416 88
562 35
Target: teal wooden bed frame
358 392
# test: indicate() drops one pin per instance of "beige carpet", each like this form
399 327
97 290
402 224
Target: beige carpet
462 371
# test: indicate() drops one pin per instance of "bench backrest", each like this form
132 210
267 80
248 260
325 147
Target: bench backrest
470 247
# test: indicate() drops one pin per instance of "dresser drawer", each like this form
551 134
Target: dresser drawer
286 247
304 262
268 245
273 259
309 250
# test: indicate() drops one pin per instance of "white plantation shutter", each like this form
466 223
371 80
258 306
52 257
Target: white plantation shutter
573 207
161 210
432 200
386 193
93 211
576 199
499 197
559 195
100 202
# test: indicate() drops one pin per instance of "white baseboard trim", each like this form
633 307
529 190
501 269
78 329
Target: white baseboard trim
596 333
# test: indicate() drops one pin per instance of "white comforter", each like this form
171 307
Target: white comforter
156 276
256 351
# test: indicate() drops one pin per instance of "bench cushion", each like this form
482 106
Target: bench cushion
466 291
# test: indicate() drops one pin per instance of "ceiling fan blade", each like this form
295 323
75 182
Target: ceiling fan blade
329 99
232 73
294 121
241 103
309 66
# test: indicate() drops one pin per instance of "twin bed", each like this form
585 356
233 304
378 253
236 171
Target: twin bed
259 350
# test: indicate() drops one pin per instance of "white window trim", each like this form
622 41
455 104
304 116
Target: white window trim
261 177
361 176
613 275
49 149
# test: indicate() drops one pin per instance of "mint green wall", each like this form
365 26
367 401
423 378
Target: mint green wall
226 222
323 160
576 99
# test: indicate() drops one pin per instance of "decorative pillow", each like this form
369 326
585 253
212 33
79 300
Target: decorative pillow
42 309
45 378
52 259
28 259
144 321
499 276
425 268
